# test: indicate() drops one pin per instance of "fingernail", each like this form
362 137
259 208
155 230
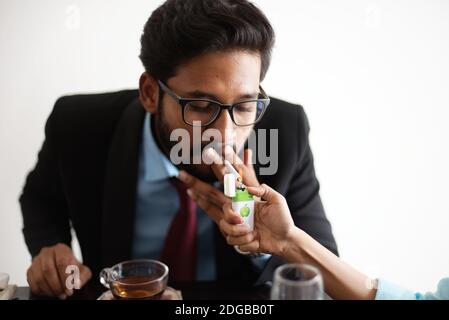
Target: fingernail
210 155
62 297
182 176
190 193
249 156
229 150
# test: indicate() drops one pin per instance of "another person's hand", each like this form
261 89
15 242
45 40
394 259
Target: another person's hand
275 233
273 224
47 273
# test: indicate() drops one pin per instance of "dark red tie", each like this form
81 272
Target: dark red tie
179 251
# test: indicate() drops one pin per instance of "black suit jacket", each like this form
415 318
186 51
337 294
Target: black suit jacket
86 178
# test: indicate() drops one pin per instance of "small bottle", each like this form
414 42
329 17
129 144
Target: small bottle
242 200
243 204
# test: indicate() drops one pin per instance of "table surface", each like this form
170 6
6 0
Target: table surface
189 291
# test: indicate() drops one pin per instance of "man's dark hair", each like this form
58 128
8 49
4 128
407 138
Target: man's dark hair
180 30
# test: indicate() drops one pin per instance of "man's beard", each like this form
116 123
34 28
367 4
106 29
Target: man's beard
162 133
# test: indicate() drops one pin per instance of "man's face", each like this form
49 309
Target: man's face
226 77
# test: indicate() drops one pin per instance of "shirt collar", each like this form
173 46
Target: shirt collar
156 165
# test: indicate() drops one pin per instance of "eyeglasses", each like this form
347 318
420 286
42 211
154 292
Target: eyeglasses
205 112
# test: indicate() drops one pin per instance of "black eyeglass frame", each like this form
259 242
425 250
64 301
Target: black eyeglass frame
230 107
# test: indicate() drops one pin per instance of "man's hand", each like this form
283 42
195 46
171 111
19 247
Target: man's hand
245 167
206 196
47 273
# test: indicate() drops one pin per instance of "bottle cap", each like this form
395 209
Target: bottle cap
242 195
229 185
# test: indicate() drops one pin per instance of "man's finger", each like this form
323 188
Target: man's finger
211 156
245 167
214 197
208 207
199 186
231 156
248 158
50 273
39 277
32 282
64 257
219 171
217 162
85 274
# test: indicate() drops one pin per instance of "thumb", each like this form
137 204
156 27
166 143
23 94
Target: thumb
78 279
266 193
248 158
85 274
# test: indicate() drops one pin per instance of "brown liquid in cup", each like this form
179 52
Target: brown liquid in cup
135 287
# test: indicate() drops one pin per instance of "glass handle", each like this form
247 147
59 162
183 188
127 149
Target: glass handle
105 277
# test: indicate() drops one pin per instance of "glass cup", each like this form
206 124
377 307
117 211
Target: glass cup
297 282
136 279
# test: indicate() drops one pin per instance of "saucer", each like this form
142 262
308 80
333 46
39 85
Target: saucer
169 294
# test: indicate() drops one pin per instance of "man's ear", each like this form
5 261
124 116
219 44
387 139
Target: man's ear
148 92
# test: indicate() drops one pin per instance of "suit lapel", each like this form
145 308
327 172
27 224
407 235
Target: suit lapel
120 186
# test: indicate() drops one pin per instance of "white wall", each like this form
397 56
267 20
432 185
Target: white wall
372 75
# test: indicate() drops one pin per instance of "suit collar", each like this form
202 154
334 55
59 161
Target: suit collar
120 186
156 165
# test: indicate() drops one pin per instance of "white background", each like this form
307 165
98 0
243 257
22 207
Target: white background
373 77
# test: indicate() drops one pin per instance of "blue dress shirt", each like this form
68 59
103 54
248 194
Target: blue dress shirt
158 203
391 291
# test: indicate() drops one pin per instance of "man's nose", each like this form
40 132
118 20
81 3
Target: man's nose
225 125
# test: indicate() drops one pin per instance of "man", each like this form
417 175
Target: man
106 166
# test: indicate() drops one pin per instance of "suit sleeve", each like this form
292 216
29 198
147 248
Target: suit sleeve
303 193
44 208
